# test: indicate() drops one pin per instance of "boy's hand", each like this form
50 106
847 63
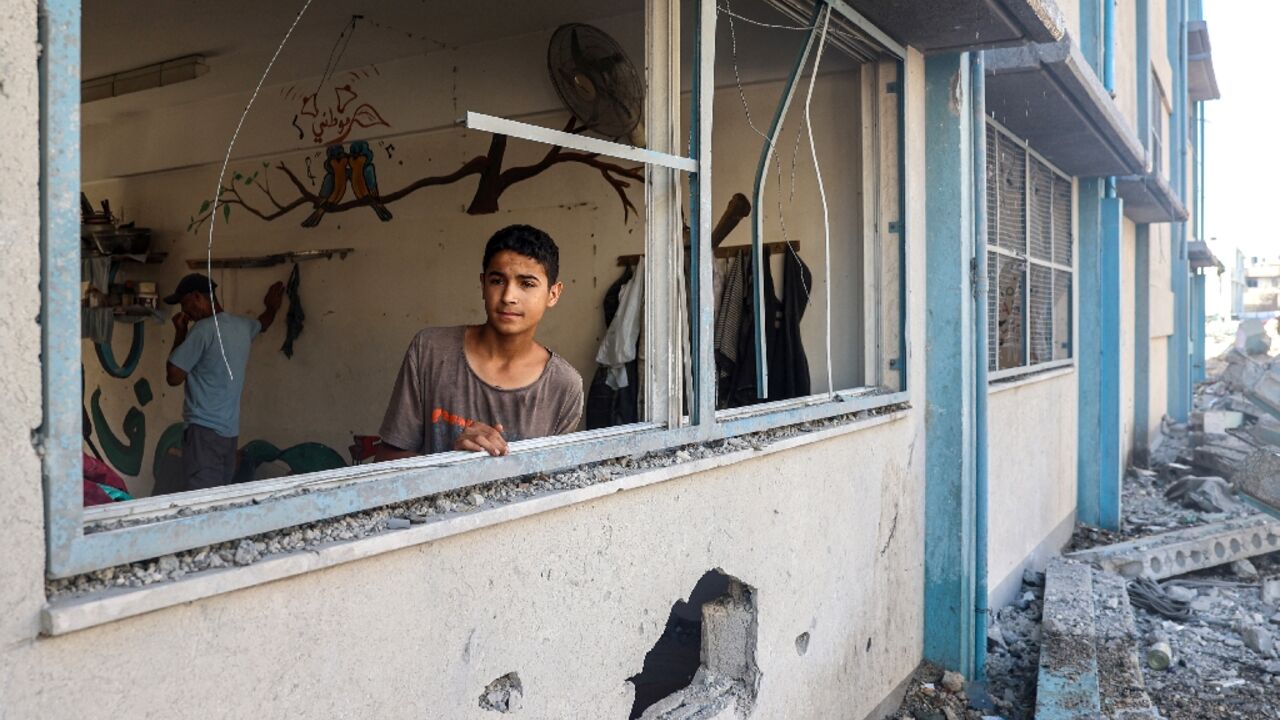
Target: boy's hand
479 437
275 295
180 321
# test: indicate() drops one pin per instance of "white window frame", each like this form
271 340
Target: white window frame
82 539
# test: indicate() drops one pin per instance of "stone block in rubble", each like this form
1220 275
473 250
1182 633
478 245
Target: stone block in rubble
1259 479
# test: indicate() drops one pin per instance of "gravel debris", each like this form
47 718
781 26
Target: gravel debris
433 508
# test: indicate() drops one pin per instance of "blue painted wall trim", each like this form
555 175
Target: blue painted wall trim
948 353
1142 345
1091 33
1111 467
1197 328
1089 348
1179 381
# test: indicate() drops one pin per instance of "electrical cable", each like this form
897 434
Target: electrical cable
1148 595
725 10
217 192
746 111
822 193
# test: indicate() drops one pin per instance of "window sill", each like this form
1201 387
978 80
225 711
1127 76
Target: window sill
63 616
1031 377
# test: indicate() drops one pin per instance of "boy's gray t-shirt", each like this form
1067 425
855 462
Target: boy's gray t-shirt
212 397
437 395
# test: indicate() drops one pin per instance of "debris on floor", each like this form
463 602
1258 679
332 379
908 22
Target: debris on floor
1198 630
937 694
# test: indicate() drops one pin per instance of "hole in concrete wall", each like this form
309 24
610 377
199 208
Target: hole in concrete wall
1180 558
802 643
1236 547
706 655
1156 565
1220 550
1273 540
1257 541
1196 556
503 695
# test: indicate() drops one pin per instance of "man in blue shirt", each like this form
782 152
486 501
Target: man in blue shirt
211 406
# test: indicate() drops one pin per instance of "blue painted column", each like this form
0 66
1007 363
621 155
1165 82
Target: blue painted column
1197 328
949 356
1142 346
1098 462
1111 464
1091 33
1179 343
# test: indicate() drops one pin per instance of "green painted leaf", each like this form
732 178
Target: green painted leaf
204 207
226 213
237 176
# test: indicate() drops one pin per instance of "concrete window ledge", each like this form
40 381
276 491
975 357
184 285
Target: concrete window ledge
1030 378
63 616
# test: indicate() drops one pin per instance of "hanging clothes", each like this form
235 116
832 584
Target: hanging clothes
619 345
784 348
607 406
296 316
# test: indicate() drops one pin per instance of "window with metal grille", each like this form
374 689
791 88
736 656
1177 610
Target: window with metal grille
1030 256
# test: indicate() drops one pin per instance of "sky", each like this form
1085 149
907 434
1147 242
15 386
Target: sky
1242 129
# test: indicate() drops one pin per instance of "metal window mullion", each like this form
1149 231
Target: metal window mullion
664 266
702 293
60 436
1053 253
1026 244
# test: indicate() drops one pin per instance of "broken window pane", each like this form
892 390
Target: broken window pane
1040 314
1010 278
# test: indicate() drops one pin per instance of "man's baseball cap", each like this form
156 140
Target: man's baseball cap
195 282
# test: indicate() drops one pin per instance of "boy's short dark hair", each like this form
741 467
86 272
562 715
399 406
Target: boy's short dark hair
529 241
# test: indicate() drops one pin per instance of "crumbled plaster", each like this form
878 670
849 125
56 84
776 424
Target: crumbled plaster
433 508
503 695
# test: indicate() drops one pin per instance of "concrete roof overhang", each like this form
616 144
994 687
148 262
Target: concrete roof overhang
1201 257
1202 82
956 25
1048 94
1149 199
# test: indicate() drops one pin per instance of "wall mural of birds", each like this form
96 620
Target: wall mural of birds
337 168
364 178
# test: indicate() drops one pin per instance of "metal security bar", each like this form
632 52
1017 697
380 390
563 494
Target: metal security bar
1030 256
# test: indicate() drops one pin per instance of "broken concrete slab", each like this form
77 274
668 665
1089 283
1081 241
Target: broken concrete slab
1067 686
1206 494
1121 686
1242 371
1265 393
1266 431
1181 551
1259 480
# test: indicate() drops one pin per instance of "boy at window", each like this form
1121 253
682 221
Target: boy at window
211 404
479 387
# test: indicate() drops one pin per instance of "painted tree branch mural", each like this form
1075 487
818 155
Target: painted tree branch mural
353 167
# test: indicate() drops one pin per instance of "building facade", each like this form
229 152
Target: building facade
996 200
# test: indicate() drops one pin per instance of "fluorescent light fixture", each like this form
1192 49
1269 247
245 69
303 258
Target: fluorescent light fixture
160 74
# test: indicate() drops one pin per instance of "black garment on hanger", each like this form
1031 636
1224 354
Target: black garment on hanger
606 407
788 364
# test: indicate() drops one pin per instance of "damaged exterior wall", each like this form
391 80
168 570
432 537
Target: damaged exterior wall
570 600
